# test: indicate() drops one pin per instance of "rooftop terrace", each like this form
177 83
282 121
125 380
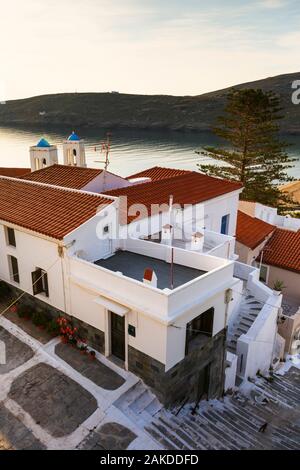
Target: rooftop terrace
133 265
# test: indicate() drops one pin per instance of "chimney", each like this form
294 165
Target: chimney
150 277
166 234
197 241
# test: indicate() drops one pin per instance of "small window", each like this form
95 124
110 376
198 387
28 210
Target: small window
14 269
263 274
40 282
199 328
106 229
10 235
225 224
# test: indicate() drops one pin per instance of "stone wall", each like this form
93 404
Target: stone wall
93 336
181 381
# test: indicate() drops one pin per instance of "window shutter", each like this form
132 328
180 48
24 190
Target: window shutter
37 282
46 288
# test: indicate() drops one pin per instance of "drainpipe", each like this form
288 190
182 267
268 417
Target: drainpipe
228 299
62 252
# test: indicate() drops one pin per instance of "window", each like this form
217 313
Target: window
14 269
40 282
225 224
106 229
199 327
263 274
10 236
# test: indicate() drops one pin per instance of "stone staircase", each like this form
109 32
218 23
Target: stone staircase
233 422
139 404
248 311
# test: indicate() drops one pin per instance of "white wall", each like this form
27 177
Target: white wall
176 335
91 243
152 309
230 371
33 251
151 336
256 348
105 182
207 215
216 208
290 279
270 215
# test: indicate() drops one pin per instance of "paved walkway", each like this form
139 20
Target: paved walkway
45 403
94 370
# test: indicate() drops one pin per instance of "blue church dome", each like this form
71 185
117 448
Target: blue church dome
73 137
43 143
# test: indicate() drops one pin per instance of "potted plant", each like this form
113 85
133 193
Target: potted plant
39 319
92 355
52 327
279 285
24 311
14 308
83 349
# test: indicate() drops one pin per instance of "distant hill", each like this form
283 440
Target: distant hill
111 110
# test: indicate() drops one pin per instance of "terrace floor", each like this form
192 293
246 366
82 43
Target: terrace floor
133 265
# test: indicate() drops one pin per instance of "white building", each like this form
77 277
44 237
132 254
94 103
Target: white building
162 309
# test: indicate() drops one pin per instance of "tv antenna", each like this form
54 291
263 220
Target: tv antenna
105 148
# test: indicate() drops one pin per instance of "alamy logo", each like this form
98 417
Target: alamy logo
296 93
2 353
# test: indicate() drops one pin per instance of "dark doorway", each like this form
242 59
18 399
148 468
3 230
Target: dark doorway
203 383
117 336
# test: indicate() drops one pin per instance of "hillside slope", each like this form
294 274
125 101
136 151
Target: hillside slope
142 111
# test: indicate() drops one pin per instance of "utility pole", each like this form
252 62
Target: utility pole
171 239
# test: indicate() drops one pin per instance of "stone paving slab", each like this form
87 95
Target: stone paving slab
53 400
14 435
17 352
94 370
110 436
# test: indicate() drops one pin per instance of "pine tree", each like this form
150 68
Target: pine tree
255 155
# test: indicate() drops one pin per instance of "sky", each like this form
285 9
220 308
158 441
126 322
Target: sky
178 47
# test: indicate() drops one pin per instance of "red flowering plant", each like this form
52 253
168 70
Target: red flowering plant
68 333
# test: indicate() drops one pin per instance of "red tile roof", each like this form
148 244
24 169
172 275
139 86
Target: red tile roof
45 209
283 250
159 173
66 176
250 231
188 188
14 172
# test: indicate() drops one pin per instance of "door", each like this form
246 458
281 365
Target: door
225 224
203 383
117 336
